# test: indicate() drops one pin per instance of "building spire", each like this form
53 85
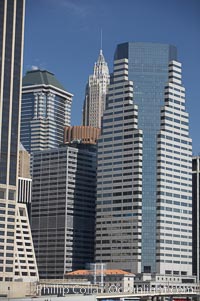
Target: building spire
101 59
101 50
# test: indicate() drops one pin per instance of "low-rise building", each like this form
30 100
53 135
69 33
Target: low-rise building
108 280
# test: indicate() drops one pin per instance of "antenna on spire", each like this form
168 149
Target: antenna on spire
101 42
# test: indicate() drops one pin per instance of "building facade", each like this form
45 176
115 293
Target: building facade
85 134
24 163
144 220
11 51
24 179
196 215
174 181
46 109
63 208
119 178
95 95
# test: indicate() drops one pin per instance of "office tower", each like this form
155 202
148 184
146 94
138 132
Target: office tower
63 208
119 178
11 213
46 109
195 218
95 94
144 218
85 134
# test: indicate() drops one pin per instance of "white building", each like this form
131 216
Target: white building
25 261
174 181
119 180
95 96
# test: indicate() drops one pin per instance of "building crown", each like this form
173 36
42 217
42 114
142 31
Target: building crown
101 66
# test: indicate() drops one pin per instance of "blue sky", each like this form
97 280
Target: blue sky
63 36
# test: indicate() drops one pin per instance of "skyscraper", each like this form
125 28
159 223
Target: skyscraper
144 220
46 109
12 215
196 215
95 95
63 208
119 178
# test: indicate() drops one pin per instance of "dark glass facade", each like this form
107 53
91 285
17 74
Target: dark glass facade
16 94
11 89
148 69
63 208
27 110
11 43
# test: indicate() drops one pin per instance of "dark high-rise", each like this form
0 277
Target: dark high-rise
15 235
11 48
11 39
63 208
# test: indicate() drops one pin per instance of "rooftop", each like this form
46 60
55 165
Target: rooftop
41 77
105 272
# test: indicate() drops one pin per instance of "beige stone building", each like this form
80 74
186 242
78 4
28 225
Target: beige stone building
24 163
85 134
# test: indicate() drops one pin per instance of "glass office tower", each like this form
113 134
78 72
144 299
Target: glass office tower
46 109
166 162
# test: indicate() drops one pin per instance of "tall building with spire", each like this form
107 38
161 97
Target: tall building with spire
95 95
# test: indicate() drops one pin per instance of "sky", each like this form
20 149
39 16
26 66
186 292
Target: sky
64 37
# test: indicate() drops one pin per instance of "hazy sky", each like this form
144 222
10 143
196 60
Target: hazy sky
63 36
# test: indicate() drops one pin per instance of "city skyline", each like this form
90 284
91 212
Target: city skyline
129 201
68 45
